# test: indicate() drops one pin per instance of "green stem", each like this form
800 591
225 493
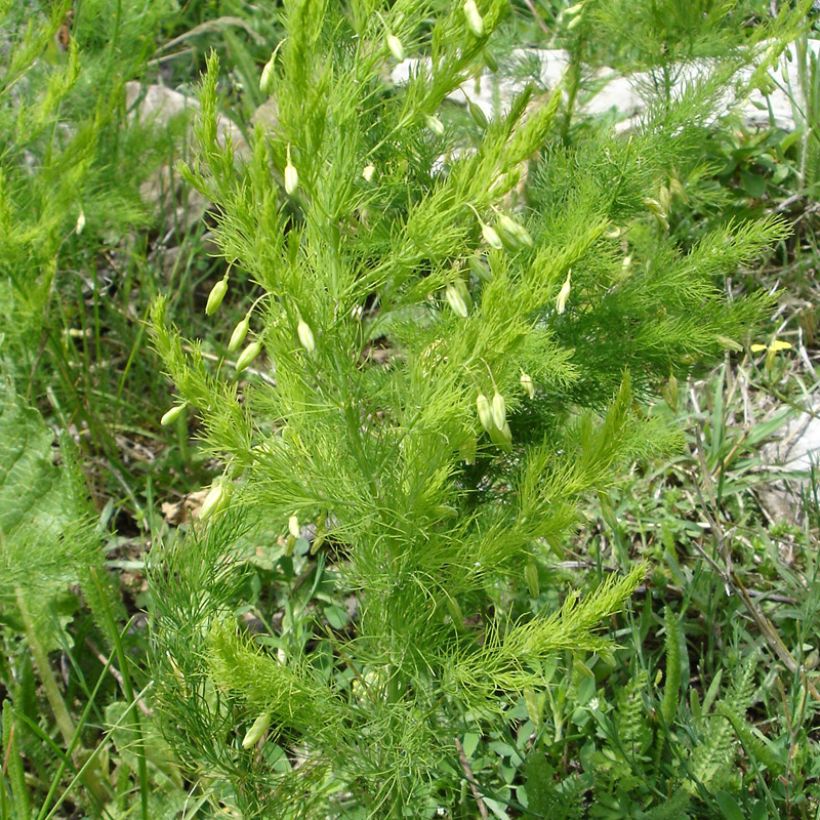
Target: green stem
65 725
574 75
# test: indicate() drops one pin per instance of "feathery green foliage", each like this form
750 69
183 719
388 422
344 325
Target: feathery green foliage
355 430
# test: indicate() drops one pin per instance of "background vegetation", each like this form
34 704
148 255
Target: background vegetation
705 701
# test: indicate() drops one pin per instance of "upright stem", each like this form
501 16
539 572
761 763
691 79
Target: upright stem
574 84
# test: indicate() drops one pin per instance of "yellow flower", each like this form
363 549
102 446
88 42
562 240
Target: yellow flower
772 350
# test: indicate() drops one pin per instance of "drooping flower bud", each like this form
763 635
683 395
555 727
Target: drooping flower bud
475 22
514 232
395 46
670 392
456 302
266 79
729 344
499 411
531 576
563 294
574 22
485 413
477 113
480 269
502 437
80 225
214 500
491 237
305 335
293 526
527 384
239 334
171 415
434 124
247 356
216 296
368 172
291 176
258 728
676 188
658 211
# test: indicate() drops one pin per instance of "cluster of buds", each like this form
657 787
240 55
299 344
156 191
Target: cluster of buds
507 233
493 418
573 15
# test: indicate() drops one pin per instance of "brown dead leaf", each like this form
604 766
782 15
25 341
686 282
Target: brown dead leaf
182 511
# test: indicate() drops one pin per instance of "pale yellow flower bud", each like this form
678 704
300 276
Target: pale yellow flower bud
238 335
216 296
491 237
258 728
516 234
434 124
485 413
499 411
305 335
266 80
293 526
475 22
291 176
247 356
368 172
456 301
170 416
214 500
527 384
395 47
563 294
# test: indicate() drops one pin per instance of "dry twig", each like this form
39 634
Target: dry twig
470 777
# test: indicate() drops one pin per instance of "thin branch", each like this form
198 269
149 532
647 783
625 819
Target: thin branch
470 777
541 24
115 673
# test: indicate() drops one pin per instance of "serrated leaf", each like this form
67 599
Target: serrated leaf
45 535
